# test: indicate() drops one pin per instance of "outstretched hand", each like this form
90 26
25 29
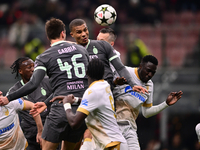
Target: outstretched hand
140 89
173 97
64 99
38 108
60 98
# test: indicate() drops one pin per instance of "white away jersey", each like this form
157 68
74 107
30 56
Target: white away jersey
11 135
98 104
128 102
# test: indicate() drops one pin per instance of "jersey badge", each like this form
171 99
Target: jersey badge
44 93
84 102
89 92
95 50
5 111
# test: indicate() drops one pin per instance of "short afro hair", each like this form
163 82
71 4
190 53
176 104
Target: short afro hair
95 69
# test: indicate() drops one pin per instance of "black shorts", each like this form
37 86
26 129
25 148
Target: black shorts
57 128
32 144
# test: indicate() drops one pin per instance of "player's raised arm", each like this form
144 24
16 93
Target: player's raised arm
172 98
123 72
28 106
75 120
29 87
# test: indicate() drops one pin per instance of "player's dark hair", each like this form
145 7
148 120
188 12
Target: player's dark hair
95 69
111 32
17 64
53 28
76 22
150 58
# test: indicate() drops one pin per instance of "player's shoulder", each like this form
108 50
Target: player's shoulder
99 42
15 104
98 85
45 79
150 84
15 87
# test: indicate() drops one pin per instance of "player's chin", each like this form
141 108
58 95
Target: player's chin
145 80
84 42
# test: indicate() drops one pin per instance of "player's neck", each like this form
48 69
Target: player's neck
56 40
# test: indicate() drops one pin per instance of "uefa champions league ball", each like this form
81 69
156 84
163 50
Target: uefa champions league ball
105 15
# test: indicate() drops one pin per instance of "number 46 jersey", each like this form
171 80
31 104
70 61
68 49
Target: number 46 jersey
65 64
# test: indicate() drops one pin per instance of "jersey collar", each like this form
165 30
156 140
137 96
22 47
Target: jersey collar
96 82
56 43
136 72
22 82
87 44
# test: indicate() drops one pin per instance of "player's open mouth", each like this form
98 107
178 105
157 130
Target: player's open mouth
85 39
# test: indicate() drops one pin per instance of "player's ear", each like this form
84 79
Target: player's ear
140 66
20 71
71 34
62 34
112 43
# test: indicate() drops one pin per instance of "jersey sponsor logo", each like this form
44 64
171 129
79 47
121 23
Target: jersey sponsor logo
129 90
84 102
67 49
6 128
75 85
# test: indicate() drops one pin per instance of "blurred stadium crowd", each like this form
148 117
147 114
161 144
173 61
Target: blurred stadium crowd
168 29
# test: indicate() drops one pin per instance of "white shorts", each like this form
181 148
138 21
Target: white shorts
130 134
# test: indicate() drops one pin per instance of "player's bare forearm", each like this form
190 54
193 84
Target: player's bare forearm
38 108
75 120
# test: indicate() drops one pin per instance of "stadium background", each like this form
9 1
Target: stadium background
169 29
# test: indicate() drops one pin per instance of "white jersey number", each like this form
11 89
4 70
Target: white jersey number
67 67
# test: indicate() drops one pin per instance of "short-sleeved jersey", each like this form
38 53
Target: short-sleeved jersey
65 64
11 135
128 102
98 104
105 52
42 92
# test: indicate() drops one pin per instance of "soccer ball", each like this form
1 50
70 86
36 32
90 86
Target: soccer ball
105 15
